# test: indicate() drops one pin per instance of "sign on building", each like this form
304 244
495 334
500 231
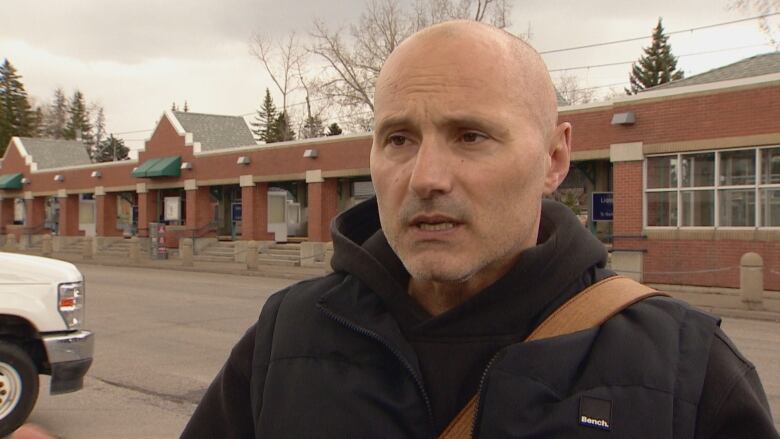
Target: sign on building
172 209
601 206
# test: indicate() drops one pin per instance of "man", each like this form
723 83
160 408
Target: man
439 280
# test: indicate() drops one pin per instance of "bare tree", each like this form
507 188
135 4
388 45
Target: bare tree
571 91
354 57
280 59
762 7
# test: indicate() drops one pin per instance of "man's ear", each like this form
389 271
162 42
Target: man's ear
560 155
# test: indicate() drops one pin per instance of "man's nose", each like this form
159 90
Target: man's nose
432 173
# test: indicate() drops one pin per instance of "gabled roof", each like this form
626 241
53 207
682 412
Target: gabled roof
758 65
214 131
55 153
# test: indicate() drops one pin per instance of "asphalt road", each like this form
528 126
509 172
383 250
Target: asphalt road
163 335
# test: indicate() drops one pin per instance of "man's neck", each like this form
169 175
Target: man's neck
439 297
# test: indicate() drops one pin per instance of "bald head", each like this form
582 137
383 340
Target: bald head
496 55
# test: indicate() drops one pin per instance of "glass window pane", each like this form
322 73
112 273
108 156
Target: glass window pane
662 209
698 208
737 207
698 170
770 207
662 172
770 166
738 167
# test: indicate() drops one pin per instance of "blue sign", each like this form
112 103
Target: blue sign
236 211
601 207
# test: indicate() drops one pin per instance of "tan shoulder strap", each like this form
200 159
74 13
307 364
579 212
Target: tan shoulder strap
589 308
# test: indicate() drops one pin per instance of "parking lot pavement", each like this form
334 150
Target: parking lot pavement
161 336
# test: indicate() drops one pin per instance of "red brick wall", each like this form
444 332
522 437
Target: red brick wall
105 223
254 215
627 198
69 216
707 263
199 209
6 213
589 128
724 114
323 207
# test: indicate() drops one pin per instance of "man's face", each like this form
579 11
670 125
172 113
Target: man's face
459 164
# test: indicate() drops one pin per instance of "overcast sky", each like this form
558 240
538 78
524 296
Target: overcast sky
136 57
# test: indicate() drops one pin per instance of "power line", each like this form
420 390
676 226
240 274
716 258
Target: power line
626 40
619 63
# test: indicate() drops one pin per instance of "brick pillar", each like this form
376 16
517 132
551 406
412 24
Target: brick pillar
147 211
105 223
323 207
627 198
69 216
36 212
199 210
6 213
254 212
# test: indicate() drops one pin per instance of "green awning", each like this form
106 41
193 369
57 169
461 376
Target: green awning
159 167
11 181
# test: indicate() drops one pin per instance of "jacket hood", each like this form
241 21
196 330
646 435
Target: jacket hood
565 248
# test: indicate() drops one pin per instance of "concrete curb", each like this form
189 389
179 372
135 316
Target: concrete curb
237 269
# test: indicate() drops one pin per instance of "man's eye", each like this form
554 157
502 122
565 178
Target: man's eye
473 137
397 140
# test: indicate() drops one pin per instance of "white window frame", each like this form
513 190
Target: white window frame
757 186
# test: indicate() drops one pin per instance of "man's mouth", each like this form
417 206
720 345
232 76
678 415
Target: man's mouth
435 227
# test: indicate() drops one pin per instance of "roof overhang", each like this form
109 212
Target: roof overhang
11 181
159 167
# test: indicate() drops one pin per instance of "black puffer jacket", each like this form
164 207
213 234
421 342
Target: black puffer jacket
340 357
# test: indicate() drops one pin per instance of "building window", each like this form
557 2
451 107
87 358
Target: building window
732 188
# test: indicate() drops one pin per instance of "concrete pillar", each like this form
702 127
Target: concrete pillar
46 245
6 213
69 215
254 210
328 256
751 280
147 211
312 253
88 249
135 250
323 206
251 255
11 244
105 221
185 252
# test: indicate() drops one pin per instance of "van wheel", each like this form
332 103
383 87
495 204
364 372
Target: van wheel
18 387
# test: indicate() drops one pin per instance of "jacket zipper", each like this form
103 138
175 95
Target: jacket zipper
371 334
482 380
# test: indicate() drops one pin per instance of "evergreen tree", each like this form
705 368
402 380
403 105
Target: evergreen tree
312 128
334 130
111 149
186 107
57 115
657 66
39 122
78 120
100 129
16 116
283 128
174 107
264 124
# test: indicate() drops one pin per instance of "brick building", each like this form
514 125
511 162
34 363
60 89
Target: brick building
693 169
